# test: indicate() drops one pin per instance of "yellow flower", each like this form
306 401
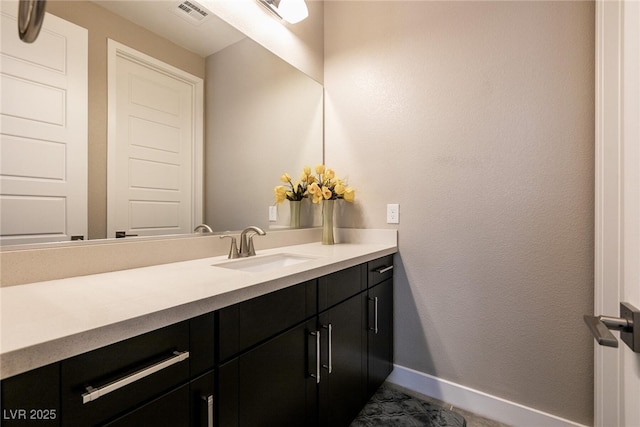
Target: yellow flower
326 193
314 189
285 177
349 194
317 198
329 174
319 169
304 177
280 193
339 189
311 179
306 170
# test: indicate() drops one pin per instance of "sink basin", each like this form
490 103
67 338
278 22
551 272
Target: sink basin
264 263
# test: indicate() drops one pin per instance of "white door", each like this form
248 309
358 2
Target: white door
43 131
617 258
154 146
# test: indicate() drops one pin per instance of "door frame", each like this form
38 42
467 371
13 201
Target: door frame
616 204
115 50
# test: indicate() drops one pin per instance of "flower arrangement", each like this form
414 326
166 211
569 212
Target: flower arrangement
295 191
322 186
328 187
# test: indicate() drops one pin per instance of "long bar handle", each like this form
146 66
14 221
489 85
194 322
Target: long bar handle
209 400
95 393
382 270
317 374
329 366
375 315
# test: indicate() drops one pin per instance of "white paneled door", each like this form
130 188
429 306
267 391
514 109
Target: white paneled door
155 144
43 131
617 258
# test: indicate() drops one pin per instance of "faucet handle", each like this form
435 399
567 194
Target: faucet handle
252 249
233 251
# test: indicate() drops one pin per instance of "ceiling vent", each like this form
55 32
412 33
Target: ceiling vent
192 11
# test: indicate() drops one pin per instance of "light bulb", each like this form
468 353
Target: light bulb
293 11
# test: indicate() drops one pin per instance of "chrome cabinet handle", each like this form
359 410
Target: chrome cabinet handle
375 315
329 366
95 393
382 270
209 400
317 374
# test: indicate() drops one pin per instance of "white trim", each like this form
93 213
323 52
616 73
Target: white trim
475 401
115 49
608 203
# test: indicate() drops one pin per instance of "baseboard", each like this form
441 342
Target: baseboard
475 401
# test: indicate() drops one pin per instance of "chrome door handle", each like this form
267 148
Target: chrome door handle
209 401
96 393
375 315
317 374
329 366
600 327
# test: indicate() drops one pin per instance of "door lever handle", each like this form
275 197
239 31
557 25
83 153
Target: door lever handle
601 326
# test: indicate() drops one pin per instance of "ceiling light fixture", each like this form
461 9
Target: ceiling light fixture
292 11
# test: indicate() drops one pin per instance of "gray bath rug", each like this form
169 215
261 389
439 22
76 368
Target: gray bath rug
392 408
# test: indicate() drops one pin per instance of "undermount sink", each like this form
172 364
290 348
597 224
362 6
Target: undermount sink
264 263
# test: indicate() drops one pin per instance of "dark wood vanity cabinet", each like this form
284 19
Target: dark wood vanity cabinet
307 355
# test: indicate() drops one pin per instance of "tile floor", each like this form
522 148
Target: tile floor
472 419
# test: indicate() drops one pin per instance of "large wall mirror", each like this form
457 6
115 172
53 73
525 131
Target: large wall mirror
262 116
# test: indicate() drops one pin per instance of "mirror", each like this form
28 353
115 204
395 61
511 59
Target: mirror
263 117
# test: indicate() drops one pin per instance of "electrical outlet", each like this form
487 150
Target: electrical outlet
273 213
393 213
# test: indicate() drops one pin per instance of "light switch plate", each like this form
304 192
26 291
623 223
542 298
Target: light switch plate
273 213
393 213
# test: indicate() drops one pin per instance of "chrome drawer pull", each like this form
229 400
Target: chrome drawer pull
95 393
384 269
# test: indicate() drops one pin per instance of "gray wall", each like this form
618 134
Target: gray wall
478 118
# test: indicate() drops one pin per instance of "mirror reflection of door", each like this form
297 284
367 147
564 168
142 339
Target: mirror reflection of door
43 138
155 137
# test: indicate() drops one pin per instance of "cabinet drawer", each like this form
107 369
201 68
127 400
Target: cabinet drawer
336 287
248 323
171 409
379 271
128 374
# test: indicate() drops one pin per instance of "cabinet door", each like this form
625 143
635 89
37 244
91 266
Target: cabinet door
272 382
202 402
343 362
32 398
380 331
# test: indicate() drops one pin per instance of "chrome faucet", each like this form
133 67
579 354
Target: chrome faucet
202 228
246 242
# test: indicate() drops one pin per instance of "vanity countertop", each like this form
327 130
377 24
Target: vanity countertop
46 322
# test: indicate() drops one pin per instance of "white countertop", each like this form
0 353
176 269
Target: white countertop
46 322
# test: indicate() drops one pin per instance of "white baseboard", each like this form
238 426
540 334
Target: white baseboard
475 401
